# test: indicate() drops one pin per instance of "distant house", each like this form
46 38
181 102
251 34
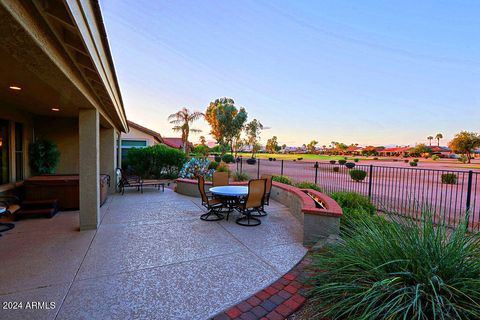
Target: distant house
138 137
175 143
441 151
354 150
396 151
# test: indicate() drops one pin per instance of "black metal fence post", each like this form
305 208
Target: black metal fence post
370 182
316 172
469 189
258 169
241 164
281 169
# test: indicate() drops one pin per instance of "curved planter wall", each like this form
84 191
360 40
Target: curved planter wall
317 223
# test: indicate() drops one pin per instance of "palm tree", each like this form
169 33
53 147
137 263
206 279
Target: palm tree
430 138
438 137
182 121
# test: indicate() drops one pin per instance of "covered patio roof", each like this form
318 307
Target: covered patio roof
57 53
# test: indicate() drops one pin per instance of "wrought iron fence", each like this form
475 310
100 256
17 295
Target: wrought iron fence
447 194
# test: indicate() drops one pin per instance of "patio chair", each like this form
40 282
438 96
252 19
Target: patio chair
214 205
220 179
268 190
252 203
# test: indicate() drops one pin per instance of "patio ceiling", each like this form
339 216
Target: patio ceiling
45 53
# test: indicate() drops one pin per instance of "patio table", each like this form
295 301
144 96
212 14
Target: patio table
7 226
230 191
230 195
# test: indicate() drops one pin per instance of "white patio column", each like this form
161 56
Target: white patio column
89 168
108 157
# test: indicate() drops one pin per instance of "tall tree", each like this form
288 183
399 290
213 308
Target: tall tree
272 145
253 129
430 138
439 136
226 121
464 143
311 146
182 120
203 141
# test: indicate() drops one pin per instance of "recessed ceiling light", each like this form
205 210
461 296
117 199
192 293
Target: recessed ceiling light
55 109
15 88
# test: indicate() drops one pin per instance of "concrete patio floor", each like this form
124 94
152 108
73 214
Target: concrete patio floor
151 258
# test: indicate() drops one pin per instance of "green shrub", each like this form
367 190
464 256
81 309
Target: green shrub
228 158
463 159
333 161
404 269
336 169
240 176
222 167
342 162
435 157
157 161
350 165
217 158
375 158
358 175
44 157
213 165
200 151
356 160
353 200
355 207
406 160
345 158
308 185
413 163
282 179
449 178
415 160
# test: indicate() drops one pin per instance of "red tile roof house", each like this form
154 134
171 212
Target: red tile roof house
397 151
354 150
175 143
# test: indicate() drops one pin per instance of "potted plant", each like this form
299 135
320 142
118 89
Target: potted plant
44 157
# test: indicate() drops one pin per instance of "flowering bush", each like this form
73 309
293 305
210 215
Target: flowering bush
196 167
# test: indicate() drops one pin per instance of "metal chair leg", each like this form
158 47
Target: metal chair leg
210 213
251 221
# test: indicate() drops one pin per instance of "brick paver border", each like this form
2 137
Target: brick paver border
275 302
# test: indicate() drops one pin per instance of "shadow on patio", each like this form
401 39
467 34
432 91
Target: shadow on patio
152 257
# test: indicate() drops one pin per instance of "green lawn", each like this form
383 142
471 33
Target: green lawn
293 156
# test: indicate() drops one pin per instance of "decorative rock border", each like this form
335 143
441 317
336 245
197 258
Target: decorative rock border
276 302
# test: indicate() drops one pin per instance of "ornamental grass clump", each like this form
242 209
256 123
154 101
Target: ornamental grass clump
240 176
405 269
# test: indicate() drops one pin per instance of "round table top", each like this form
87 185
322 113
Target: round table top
230 191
